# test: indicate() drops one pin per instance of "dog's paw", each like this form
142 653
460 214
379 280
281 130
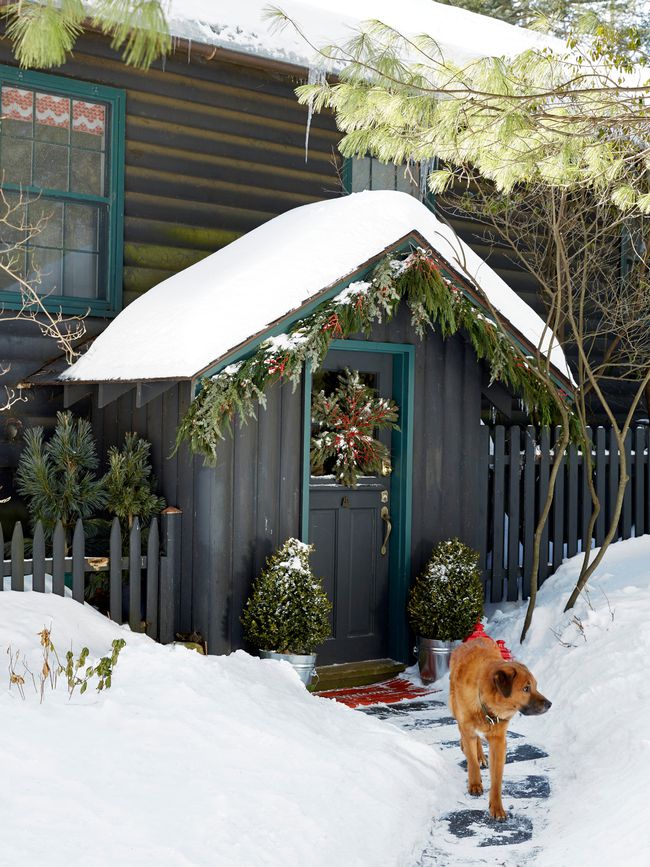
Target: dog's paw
475 788
483 762
497 812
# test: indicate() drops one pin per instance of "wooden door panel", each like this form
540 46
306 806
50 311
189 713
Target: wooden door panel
361 584
324 536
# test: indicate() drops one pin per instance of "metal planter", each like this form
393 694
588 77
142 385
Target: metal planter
303 664
433 658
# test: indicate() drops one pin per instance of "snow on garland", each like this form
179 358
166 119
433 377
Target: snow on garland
434 302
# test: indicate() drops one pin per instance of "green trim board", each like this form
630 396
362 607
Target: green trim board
110 207
401 482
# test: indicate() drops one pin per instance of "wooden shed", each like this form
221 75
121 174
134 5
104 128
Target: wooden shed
146 368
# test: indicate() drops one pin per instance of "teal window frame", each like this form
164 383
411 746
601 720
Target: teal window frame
115 98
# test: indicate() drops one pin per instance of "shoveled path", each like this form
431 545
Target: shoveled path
467 834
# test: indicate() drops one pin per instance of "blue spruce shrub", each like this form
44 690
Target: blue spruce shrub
288 610
447 598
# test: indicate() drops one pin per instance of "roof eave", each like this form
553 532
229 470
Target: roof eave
287 320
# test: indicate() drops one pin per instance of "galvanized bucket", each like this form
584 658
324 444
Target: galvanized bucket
433 658
303 664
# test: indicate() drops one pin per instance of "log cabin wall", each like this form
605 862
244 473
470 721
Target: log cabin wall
213 149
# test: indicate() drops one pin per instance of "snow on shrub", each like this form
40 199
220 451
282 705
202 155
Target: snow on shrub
288 609
447 598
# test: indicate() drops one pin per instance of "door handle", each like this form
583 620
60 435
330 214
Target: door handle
385 516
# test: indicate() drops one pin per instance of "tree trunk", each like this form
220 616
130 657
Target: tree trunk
560 448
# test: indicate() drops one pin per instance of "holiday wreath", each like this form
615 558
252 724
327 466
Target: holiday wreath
434 302
343 429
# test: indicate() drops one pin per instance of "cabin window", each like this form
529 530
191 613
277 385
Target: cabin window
61 158
367 173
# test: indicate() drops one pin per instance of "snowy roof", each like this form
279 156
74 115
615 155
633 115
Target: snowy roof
242 25
196 318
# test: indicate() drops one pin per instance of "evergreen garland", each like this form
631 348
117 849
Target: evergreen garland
345 422
434 302
447 598
288 610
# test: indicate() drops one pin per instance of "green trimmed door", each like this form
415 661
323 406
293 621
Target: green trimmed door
349 528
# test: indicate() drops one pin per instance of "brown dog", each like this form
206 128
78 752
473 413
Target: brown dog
485 692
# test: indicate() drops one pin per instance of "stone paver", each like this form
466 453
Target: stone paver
468 835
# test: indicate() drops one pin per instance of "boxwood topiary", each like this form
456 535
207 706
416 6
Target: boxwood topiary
287 612
447 598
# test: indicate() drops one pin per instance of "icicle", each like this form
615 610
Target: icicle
189 50
425 167
315 76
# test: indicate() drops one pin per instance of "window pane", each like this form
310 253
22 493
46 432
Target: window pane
15 261
16 160
17 111
81 227
52 118
50 166
80 275
408 181
87 172
49 215
88 125
383 176
360 174
13 220
45 270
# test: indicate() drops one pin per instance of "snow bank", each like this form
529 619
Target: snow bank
240 25
199 315
597 732
189 760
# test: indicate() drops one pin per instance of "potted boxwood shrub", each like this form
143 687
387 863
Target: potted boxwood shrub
287 614
444 604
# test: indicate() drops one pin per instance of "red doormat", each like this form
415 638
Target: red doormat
388 692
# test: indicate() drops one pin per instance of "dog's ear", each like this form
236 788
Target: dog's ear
503 679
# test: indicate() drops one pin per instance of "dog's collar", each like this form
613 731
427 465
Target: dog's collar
492 718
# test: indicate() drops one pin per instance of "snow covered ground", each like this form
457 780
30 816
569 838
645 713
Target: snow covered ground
229 761
189 760
593 663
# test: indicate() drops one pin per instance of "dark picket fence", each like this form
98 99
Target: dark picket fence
146 574
517 465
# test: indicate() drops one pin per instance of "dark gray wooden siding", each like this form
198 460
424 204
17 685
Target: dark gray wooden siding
234 515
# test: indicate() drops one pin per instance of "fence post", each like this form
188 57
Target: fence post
514 492
58 560
498 514
529 507
544 473
38 559
153 572
135 577
557 510
170 568
115 559
17 558
78 564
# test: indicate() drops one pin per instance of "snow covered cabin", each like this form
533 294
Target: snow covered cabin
145 369
171 164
